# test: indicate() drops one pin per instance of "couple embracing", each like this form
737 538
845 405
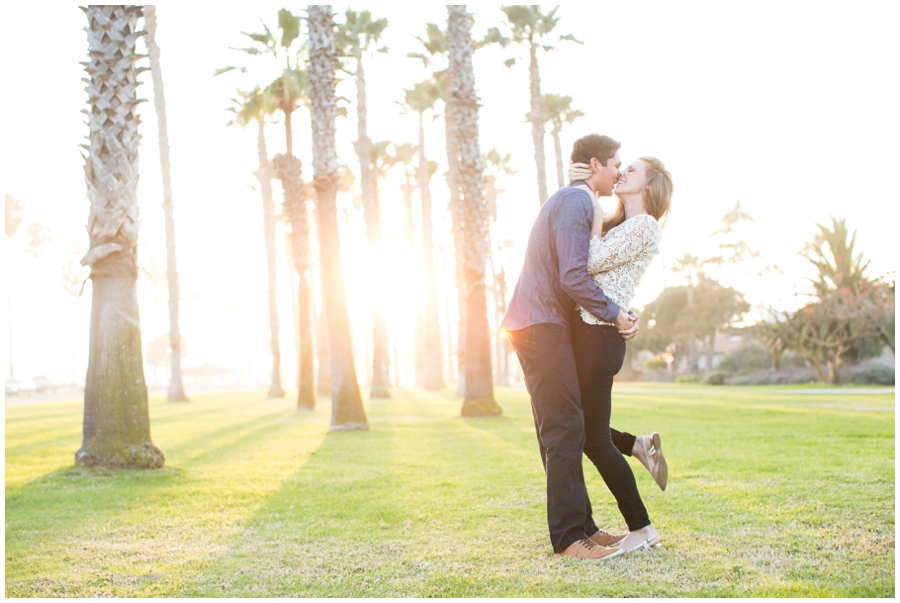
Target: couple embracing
568 322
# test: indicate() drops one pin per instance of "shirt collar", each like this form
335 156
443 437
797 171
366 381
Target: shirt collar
584 185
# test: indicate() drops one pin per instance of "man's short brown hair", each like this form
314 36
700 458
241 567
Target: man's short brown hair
601 148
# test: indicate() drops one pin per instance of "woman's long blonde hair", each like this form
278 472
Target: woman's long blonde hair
657 194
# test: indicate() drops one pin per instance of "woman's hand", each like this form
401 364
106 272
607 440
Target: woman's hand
597 224
579 171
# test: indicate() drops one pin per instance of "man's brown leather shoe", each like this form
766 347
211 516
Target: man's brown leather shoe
588 549
606 539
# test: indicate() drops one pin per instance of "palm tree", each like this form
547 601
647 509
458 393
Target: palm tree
496 166
347 411
559 111
435 44
116 427
527 24
421 98
479 397
287 91
290 171
253 106
404 155
176 389
356 39
265 102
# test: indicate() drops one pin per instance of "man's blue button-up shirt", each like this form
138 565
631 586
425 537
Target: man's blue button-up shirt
554 278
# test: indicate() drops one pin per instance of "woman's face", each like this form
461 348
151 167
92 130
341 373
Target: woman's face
633 179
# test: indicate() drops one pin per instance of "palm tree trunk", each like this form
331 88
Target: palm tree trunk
323 376
347 411
372 212
479 398
116 427
317 310
433 375
265 182
176 388
453 183
290 172
288 133
408 189
557 148
537 123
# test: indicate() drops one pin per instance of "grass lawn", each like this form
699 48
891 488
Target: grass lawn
772 492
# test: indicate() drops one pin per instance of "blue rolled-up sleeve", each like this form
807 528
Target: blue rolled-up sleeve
571 232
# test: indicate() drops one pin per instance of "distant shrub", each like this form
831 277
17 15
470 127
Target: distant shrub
790 359
746 359
655 364
872 374
772 377
715 378
656 377
688 379
752 357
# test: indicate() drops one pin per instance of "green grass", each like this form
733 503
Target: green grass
772 492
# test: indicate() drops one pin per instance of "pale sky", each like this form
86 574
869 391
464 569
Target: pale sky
790 108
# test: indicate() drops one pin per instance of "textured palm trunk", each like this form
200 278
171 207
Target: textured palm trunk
372 213
537 123
288 132
290 171
116 427
323 358
557 148
432 378
347 411
323 354
453 183
176 388
479 397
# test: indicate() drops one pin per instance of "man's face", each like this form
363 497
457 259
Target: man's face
605 177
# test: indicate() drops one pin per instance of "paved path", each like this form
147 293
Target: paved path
712 389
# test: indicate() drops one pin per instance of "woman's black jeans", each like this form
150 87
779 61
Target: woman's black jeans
599 354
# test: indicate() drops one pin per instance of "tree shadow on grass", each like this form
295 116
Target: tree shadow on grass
120 521
396 507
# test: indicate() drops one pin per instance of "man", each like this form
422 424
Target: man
554 279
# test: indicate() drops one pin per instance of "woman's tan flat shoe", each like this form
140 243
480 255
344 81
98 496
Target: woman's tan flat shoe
655 461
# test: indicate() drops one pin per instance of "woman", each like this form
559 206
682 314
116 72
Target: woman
622 246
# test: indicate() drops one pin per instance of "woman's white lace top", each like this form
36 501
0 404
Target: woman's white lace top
618 260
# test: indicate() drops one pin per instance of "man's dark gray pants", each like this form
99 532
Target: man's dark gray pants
551 377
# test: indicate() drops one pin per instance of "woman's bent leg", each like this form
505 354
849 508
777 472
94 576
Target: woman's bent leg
623 441
599 351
